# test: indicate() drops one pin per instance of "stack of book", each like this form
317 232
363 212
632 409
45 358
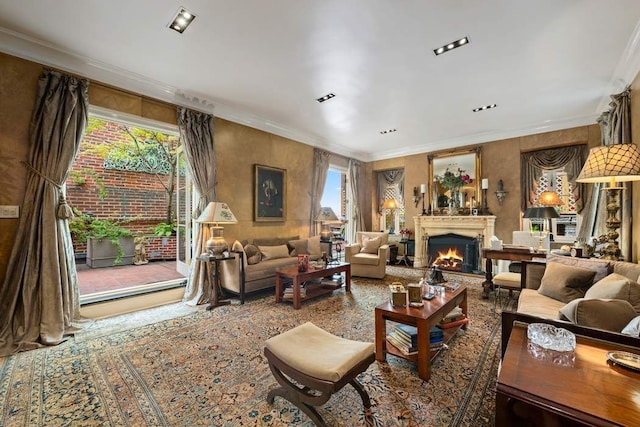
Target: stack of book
405 338
332 281
455 318
288 291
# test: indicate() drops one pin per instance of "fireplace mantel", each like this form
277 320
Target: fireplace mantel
467 225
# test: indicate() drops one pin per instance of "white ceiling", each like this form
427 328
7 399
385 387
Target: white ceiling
547 64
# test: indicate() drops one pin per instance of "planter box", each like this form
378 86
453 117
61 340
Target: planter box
102 253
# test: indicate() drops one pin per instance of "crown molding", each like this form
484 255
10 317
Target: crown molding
49 55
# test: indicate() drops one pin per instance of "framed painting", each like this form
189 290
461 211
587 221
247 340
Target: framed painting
270 194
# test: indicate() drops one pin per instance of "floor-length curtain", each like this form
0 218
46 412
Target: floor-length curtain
196 133
354 172
615 128
39 298
320 169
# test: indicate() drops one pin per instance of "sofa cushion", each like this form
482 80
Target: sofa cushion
313 244
565 282
602 267
273 241
534 304
616 286
298 247
274 252
267 269
370 245
366 259
253 254
608 314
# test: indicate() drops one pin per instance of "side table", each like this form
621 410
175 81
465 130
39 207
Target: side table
212 264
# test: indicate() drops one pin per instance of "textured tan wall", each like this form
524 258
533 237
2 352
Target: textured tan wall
18 81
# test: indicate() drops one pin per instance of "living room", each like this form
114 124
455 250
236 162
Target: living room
239 147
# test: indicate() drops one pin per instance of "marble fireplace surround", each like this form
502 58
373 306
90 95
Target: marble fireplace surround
464 225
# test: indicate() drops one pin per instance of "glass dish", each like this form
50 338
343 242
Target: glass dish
550 337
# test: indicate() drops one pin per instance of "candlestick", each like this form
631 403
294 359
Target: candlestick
485 183
423 188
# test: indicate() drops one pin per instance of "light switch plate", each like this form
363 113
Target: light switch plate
8 211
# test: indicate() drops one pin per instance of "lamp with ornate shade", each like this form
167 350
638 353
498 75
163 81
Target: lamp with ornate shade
216 213
612 163
541 228
392 205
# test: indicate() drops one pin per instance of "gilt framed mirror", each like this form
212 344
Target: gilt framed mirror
454 180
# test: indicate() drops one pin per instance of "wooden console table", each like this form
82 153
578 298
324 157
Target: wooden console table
559 388
510 254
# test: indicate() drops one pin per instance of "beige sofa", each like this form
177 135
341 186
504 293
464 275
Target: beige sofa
255 264
561 289
368 255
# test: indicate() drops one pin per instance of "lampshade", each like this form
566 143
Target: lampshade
549 198
617 162
217 213
541 212
390 204
327 214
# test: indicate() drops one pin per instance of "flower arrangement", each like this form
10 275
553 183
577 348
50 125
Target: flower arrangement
405 232
454 181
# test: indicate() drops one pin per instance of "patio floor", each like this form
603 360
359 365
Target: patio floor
92 280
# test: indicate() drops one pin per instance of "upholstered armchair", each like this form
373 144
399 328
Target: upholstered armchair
368 255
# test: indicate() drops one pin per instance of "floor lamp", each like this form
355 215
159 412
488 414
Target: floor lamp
612 163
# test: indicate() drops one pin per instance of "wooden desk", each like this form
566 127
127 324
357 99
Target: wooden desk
423 318
510 254
559 388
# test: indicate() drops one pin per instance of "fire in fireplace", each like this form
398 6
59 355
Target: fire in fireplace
454 252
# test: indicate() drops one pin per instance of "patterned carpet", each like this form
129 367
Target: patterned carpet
207 368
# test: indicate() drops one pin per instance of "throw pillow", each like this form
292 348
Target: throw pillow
313 245
633 327
564 282
600 266
253 254
608 314
298 247
616 286
274 252
237 247
370 245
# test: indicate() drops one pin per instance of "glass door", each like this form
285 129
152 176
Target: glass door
184 207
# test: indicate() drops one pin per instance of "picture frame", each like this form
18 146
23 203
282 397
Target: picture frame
270 194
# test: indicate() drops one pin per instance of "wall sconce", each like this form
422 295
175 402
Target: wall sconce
500 193
416 196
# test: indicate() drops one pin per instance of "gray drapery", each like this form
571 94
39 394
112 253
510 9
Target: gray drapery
615 128
535 163
196 132
354 172
387 179
321 167
39 298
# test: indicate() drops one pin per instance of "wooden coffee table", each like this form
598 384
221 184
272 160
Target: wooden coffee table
298 278
423 318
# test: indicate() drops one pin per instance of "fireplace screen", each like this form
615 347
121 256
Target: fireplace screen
453 252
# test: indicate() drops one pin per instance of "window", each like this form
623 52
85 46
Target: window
393 219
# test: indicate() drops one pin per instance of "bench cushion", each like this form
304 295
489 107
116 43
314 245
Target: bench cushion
318 353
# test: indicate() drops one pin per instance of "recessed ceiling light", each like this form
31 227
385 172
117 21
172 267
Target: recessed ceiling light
447 47
181 20
388 131
484 107
326 97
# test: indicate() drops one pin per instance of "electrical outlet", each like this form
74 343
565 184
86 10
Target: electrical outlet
7 211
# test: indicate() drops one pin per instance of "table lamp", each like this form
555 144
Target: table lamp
325 216
544 213
392 205
216 213
612 163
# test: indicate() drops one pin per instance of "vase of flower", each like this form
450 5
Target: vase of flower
454 182
453 203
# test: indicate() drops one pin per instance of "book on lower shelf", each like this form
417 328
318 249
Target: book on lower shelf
405 338
455 323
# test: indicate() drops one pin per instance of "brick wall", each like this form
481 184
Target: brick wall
138 199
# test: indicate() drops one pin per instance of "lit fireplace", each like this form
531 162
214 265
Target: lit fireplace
454 252
450 259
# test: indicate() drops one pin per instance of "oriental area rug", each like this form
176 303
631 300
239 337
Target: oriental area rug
208 368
